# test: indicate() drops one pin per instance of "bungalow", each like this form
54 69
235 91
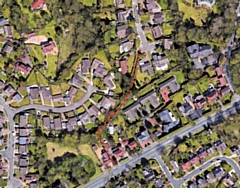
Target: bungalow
198 50
131 111
171 83
93 111
146 67
122 31
186 109
211 94
57 124
9 90
228 180
23 149
202 154
152 6
46 93
34 93
169 121
72 92
144 139
100 71
123 65
158 18
57 98
71 123
224 91
199 101
235 150
118 152
157 32
132 145
222 81
150 97
8 32
46 122
126 46
23 132
122 15
194 160
48 47
210 178
148 174
160 62
201 183
25 59
167 44
37 4
165 94
219 71
85 66
7 48
108 81
107 102
24 69
23 121
209 60
85 118
158 183
96 63
220 145
76 81
218 172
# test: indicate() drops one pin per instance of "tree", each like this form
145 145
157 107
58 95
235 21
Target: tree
182 147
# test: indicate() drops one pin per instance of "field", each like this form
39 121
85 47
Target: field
203 83
114 48
52 65
55 89
42 81
199 15
32 79
23 102
36 52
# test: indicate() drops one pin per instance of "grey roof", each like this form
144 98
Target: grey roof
131 111
76 81
93 110
46 93
196 50
158 18
201 183
85 118
186 109
8 48
209 60
22 121
148 174
100 72
151 97
34 92
17 97
210 178
46 122
72 92
196 114
9 90
147 66
57 124
156 31
142 136
23 132
108 82
168 120
85 66
218 172
171 83
122 27
23 161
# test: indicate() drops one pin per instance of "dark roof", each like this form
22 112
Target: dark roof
46 122
169 121
34 92
131 110
147 67
85 66
158 18
197 50
142 136
151 97
171 83
218 172
57 124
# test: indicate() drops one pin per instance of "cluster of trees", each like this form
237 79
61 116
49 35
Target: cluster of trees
235 71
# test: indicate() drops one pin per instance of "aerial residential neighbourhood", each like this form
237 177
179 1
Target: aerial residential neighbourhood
119 93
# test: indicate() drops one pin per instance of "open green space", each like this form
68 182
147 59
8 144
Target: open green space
32 79
55 89
36 52
64 87
130 62
80 110
109 35
167 29
106 3
89 126
163 4
96 97
88 3
150 37
49 30
192 89
141 77
114 48
52 65
203 83
42 80
145 18
101 55
23 102
79 95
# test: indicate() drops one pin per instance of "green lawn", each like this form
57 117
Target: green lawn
23 102
101 55
145 18
128 3
88 3
105 15
106 3
36 52
42 80
132 24
109 35
59 104
32 79
137 43
119 120
130 62
88 104
96 97
79 95
64 87
89 126
150 37
55 89
23 92
49 30
80 110
145 90
141 77
114 48
118 89
167 29
52 65
179 75
178 97
203 83
191 89
163 3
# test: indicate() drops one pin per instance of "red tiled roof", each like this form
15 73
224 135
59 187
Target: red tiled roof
203 155
194 160
210 99
222 81
47 48
200 105
132 145
123 65
165 94
119 152
125 142
23 68
186 166
37 4
146 142
219 71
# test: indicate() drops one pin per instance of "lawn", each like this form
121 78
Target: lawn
42 80
163 4
145 18
167 29
49 30
79 95
203 83
199 15
119 120
145 90
101 55
150 37
88 3
118 89
128 3
137 43
32 79
23 92
132 24
36 52
88 104
106 3
52 65
80 110
109 35
23 102
141 77
130 62
128 103
55 89
179 75
89 126
191 89
59 104
105 15
114 48
178 97
64 87
96 97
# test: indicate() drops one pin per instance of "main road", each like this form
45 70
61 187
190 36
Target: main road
150 152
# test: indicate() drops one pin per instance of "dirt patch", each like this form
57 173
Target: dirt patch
36 40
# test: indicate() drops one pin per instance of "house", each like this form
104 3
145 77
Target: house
2 84
199 101
7 48
100 71
222 81
220 145
201 183
194 160
197 50
23 149
144 138
146 67
122 15
85 118
123 65
57 124
34 93
218 172
9 90
118 152
171 83
23 161
48 47
17 97
169 121
33 184
76 81
23 132
158 18
148 174
167 44
165 94
93 111
219 71
228 180
156 31
210 178
186 109
46 122
37 4
96 63
23 121
24 69
209 60
57 98
72 92
85 66
71 123
132 145
120 4
186 166
152 6
8 31
224 91
235 150
29 35
107 102
25 59
192 185
108 81
150 97
211 150
202 154
211 94
3 21
126 46
131 111
122 31
208 3
46 93
160 62
175 166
